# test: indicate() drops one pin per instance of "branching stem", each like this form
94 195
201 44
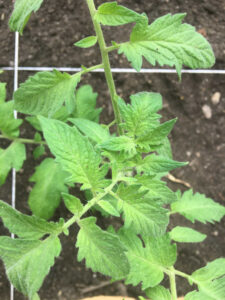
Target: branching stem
106 64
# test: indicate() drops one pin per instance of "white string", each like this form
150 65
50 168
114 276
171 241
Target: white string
117 70
16 63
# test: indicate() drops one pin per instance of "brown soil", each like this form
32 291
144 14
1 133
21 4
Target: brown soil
48 41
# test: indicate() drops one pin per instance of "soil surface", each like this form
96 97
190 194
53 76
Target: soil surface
198 136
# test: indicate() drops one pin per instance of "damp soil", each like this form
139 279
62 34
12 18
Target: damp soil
197 137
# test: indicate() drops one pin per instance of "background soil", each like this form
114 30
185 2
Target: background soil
48 41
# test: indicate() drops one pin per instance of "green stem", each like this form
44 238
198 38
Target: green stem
89 205
106 64
173 288
111 124
25 141
88 70
112 48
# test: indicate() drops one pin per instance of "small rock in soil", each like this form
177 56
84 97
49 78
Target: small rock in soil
216 98
207 111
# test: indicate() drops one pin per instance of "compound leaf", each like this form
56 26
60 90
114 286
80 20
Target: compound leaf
102 251
140 116
86 103
49 181
186 235
12 157
26 227
75 153
91 129
112 14
45 92
87 42
168 42
121 143
21 13
196 207
141 214
147 263
9 126
158 293
27 262
211 271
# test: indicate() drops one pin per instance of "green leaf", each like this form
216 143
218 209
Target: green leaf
49 181
211 271
86 103
102 251
159 164
9 126
141 214
109 208
36 297
21 13
196 207
38 151
87 42
147 262
186 235
140 116
2 92
28 262
157 135
72 203
158 293
157 189
27 227
165 149
91 129
112 14
168 42
75 153
12 157
121 143
197 296
45 92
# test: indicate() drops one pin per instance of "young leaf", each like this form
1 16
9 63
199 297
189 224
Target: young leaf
186 235
102 251
87 42
26 227
86 103
12 157
38 151
158 293
159 164
72 203
165 149
141 214
157 135
2 92
147 263
140 116
112 14
92 130
157 189
49 181
28 262
109 208
121 143
168 42
196 207
75 153
45 92
21 13
9 126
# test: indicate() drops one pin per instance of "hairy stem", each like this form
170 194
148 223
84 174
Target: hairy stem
21 140
88 70
106 64
173 288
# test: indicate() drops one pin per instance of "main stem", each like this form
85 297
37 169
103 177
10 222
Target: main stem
173 287
106 65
